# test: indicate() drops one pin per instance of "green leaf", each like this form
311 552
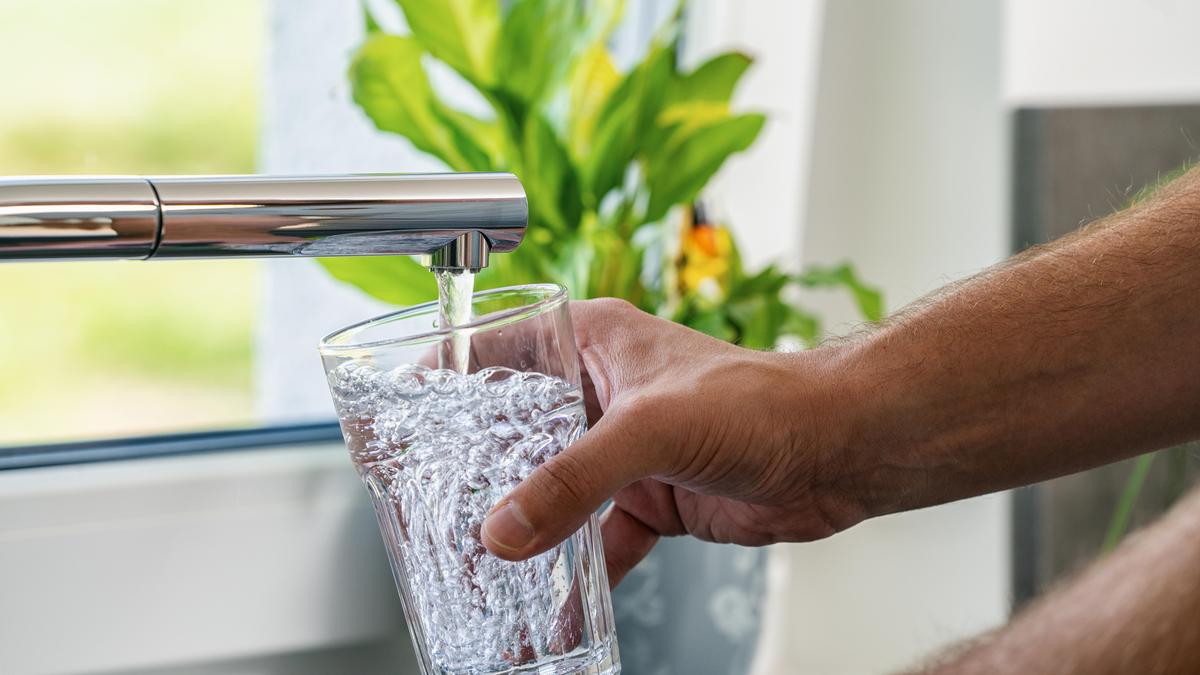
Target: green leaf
372 26
399 280
613 149
549 177
539 42
676 175
572 264
593 77
868 298
803 325
759 320
626 119
460 33
711 322
390 85
697 99
713 81
525 265
603 17
677 122
478 142
592 81
651 88
767 281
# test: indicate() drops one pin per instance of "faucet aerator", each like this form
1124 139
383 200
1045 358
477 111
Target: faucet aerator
467 253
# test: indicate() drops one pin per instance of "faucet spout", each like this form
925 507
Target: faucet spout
469 252
453 221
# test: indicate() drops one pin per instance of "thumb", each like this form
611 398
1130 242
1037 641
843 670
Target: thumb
561 494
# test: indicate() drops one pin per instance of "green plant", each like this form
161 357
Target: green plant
612 163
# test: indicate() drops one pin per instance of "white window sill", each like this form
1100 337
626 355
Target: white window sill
148 563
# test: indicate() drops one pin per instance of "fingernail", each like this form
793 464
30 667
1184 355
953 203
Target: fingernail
508 528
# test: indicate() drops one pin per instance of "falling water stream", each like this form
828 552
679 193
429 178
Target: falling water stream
455 290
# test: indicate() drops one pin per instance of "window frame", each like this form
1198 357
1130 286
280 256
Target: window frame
32 456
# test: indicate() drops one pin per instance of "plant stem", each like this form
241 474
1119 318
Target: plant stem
1177 473
1133 487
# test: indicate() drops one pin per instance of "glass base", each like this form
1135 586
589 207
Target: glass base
603 659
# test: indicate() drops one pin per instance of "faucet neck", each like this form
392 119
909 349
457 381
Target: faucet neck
454 221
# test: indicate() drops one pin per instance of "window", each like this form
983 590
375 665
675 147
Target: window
104 349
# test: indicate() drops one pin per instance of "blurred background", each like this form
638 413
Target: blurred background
128 87
918 140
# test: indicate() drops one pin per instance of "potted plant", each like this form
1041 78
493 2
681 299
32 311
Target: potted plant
612 162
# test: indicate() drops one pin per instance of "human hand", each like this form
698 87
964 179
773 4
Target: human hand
689 435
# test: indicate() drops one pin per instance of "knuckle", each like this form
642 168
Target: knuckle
640 404
595 320
612 306
564 479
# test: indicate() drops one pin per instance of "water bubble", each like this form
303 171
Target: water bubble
504 431
444 382
407 380
494 382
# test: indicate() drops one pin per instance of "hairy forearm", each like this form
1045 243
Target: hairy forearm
1134 612
1069 356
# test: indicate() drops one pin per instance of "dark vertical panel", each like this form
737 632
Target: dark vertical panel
1025 537
1027 231
1072 166
1027 210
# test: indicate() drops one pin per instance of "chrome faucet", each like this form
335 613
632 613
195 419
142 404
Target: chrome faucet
453 221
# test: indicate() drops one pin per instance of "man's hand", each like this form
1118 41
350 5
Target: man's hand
692 436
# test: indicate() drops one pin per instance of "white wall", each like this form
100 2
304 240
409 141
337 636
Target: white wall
1083 52
908 180
910 177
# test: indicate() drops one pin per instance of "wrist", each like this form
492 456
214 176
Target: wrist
873 443
827 390
912 433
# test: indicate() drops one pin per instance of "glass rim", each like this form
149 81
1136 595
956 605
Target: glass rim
334 343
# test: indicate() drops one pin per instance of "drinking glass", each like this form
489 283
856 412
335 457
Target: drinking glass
437 448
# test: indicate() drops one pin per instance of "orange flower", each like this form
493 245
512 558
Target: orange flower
704 262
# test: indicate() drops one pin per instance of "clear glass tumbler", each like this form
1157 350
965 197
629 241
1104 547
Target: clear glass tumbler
438 448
